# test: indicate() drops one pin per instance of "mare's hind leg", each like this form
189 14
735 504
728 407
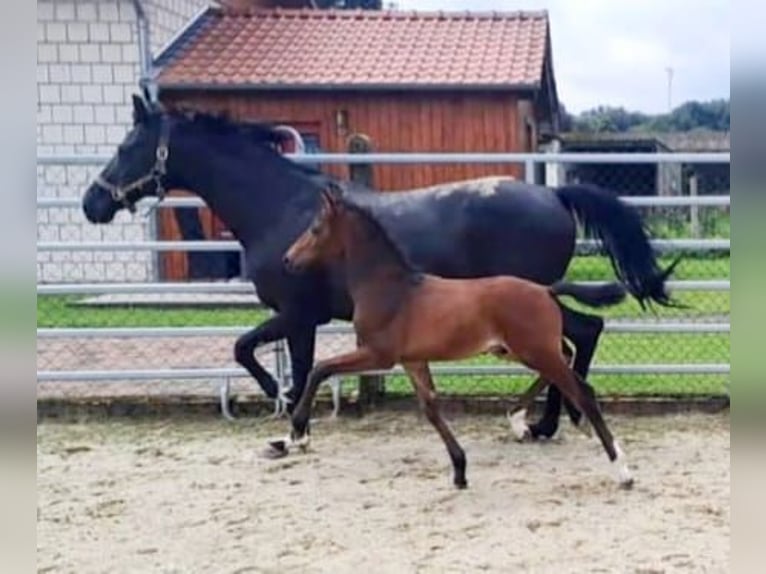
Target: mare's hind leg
583 330
420 375
554 369
517 420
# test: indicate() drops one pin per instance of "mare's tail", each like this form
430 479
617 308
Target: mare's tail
621 229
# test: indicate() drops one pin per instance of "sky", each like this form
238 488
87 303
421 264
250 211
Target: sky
617 52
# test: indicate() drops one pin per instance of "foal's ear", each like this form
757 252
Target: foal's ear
330 199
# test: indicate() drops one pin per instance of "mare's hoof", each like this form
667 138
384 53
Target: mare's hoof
275 449
461 484
627 484
537 433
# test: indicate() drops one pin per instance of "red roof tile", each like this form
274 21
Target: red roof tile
358 49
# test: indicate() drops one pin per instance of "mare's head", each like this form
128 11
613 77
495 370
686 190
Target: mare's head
321 242
136 170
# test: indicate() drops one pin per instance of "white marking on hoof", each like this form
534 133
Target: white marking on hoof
624 477
519 424
302 443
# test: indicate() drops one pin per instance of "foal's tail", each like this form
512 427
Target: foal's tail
592 295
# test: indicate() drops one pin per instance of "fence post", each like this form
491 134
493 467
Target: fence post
529 171
371 388
694 212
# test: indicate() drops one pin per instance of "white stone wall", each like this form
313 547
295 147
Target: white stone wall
167 17
87 70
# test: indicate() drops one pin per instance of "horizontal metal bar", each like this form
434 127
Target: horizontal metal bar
244 287
684 284
659 244
236 287
637 200
609 327
445 158
437 370
338 329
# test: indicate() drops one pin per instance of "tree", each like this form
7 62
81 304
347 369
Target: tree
713 115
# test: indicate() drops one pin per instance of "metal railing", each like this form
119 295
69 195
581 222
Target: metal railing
224 374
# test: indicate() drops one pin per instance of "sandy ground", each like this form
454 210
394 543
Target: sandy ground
374 495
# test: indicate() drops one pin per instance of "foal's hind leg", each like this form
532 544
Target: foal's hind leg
555 370
420 375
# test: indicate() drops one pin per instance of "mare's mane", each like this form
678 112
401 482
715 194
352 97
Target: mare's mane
259 133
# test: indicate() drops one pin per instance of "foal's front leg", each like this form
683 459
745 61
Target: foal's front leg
362 359
420 375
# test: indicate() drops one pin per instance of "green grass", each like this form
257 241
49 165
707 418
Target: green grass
59 311
605 385
613 349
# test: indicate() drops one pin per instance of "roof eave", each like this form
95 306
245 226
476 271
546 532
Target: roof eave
377 87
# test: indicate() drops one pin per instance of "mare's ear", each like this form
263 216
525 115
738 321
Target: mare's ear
140 111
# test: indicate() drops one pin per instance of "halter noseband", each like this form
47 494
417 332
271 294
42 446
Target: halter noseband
159 169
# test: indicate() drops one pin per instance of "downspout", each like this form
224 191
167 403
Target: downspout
144 46
146 84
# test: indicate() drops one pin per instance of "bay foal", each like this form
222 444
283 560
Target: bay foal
403 316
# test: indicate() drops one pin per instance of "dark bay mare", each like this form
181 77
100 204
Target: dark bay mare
407 317
473 229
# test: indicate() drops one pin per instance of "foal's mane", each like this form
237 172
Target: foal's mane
375 228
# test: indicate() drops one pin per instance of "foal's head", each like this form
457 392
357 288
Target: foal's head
322 241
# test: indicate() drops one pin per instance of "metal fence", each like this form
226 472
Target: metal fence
140 335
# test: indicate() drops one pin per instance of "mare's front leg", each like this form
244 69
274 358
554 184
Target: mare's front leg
271 330
420 376
362 359
301 341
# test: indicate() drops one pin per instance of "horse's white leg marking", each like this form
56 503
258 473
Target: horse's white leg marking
624 477
519 424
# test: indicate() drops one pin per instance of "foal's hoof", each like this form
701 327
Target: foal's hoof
276 449
461 483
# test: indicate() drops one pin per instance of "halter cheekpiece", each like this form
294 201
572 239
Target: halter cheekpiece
120 193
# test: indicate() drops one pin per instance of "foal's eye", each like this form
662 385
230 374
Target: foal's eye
315 230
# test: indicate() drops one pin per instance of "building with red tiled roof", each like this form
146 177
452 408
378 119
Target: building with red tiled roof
409 81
